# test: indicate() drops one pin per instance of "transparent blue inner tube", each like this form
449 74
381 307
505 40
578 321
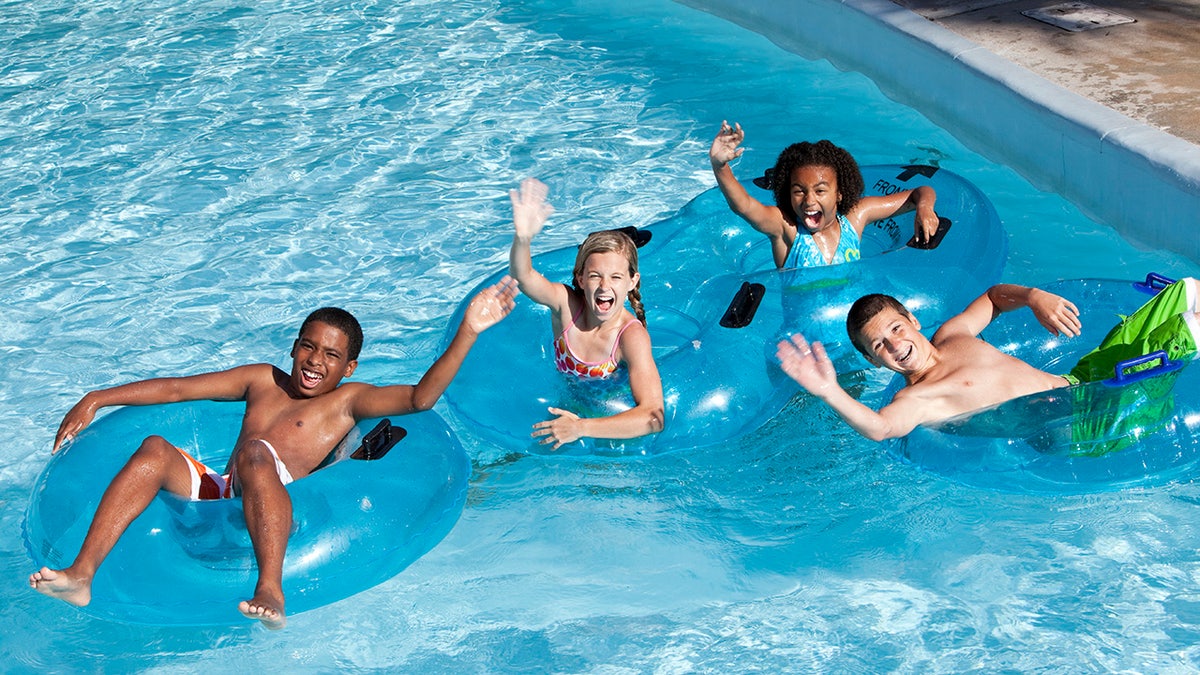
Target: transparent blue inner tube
1091 437
720 382
356 523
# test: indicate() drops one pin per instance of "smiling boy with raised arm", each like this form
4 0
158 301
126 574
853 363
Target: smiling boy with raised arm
292 422
955 372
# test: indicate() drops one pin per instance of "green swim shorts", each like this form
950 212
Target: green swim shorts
1110 419
1160 324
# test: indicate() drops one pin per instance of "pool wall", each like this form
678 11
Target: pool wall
1142 181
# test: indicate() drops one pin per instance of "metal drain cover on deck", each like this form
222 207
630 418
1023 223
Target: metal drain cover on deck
1077 16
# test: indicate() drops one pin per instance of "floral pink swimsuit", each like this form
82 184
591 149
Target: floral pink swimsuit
567 362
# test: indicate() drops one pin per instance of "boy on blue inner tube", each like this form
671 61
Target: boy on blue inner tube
292 422
956 372
820 211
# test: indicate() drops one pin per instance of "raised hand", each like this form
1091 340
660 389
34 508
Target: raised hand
530 209
808 365
726 146
490 305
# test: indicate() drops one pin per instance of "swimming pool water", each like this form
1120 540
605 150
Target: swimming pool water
180 182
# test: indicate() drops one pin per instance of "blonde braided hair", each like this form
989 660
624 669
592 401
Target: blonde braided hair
611 241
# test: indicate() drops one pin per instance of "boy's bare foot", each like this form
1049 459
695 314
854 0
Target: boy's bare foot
266 610
59 584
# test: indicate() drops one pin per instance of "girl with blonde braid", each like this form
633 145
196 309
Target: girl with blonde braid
594 334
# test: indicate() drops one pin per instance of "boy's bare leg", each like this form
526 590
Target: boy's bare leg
268 510
155 465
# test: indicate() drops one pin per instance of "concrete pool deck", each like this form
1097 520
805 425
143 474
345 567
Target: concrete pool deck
1128 173
1147 69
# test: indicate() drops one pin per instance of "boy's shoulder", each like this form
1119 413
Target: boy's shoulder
958 351
260 370
258 375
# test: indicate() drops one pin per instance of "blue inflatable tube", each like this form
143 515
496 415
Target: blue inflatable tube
717 356
356 523
1141 429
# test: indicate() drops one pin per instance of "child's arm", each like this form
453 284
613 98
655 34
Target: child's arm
811 368
485 310
646 417
1055 313
530 212
226 385
725 148
921 199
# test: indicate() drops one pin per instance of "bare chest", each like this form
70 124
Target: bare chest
302 431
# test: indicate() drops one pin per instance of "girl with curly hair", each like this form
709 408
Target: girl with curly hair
820 211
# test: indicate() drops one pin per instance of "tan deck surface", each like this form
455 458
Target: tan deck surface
1148 70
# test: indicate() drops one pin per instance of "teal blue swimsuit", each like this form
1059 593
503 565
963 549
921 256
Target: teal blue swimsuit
805 253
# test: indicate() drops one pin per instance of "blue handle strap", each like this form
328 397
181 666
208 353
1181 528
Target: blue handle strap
1154 283
1125 374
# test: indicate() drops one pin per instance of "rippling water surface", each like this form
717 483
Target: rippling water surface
180 182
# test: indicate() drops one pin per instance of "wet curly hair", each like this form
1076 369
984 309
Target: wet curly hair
822 153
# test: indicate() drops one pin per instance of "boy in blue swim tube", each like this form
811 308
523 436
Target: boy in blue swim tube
819 212
292 422
956 372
